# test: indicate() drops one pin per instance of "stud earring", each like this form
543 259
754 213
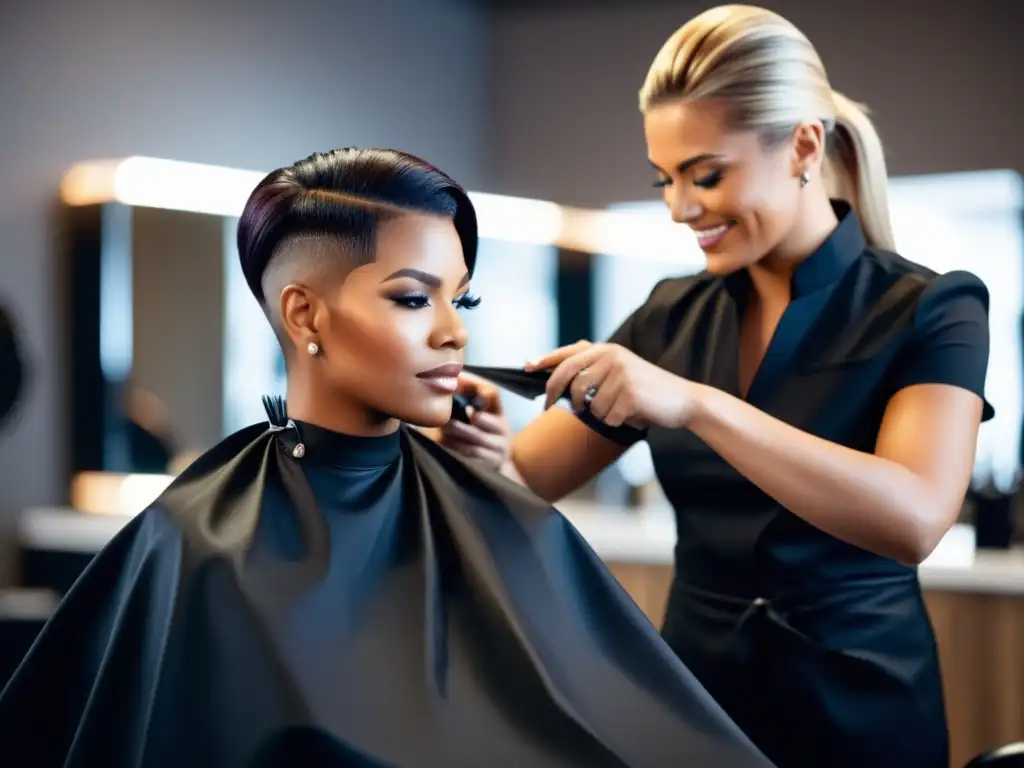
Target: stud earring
805 178
313 348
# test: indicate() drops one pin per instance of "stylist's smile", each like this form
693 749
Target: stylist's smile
709 237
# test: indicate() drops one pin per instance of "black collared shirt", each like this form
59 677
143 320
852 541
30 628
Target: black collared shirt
861 325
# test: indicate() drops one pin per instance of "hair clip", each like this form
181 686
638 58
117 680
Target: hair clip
300 447
277 414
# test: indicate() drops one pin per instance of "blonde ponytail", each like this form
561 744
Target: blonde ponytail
855 170
769 74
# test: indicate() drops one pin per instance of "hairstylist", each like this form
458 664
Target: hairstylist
811 401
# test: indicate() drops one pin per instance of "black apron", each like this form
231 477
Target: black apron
841 675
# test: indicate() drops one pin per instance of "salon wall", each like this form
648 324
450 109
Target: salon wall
247 84
941 78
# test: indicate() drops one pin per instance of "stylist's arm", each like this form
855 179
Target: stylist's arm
898 502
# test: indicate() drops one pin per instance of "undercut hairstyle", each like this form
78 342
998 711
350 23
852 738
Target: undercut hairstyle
321 215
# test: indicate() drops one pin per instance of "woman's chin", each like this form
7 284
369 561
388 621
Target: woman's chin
722 263
428 414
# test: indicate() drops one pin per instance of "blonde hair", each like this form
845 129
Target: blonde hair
771 78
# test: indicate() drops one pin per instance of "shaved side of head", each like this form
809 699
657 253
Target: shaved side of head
316 261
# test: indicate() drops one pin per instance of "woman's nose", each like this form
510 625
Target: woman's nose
449 330
683 207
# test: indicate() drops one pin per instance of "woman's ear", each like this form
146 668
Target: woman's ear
808 148
297 308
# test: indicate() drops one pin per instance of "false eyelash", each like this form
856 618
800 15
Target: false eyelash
467 302
709 181
412 300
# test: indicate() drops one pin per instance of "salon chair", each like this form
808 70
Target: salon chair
1008 756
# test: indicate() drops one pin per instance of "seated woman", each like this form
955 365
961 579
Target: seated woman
338 590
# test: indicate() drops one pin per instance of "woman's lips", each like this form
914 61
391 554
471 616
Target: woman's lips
444 378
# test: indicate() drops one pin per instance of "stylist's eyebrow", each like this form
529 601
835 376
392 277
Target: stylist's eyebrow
429 280
687 164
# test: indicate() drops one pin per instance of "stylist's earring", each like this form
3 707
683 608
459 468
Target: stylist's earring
313 348
805 178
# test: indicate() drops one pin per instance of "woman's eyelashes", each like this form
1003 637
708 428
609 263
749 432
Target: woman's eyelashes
411 300
422 300
466 301
708 180
705 181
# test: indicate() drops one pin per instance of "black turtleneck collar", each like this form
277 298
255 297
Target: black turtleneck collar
324 447
827 264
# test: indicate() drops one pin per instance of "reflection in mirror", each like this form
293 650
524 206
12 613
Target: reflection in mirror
147 318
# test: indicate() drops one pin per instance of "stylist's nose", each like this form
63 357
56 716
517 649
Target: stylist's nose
449 331
683 207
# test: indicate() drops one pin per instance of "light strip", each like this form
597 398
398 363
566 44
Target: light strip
153 183
192 187
111 493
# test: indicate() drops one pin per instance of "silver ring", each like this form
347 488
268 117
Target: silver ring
590 392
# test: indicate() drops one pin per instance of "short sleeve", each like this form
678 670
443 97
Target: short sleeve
950 344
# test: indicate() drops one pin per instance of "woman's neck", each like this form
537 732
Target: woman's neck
315 404
773 274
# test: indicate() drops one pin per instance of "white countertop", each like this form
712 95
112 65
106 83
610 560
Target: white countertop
641 537
648 537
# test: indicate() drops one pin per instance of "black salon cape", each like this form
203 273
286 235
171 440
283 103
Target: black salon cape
480 631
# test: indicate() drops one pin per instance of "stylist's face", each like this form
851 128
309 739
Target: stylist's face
738 197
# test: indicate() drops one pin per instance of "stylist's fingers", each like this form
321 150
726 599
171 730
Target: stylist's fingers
489 422
468 386
607 396
487 458
471 435
479 453
622 411
567 370
488 399
482 395
553 358
590 379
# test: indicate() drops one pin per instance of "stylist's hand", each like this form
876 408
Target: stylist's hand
486 438
624 388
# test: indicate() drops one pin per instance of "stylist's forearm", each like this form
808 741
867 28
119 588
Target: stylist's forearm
860 498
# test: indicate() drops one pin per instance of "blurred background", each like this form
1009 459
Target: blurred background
112 276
